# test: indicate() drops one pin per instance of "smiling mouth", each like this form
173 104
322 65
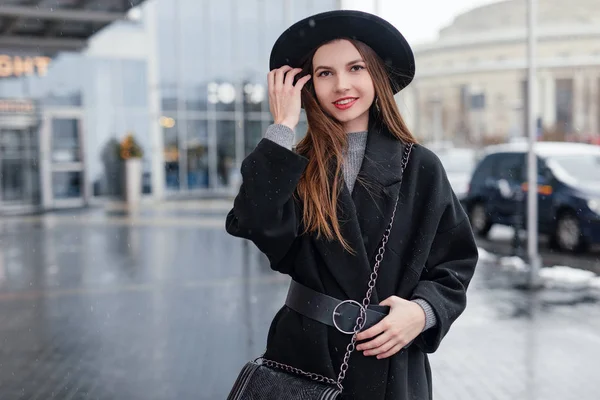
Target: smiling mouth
345 103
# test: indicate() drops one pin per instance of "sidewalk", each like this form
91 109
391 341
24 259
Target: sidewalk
109 303
517 345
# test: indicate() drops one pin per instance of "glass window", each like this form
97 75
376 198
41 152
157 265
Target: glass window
197 154
220 50
166 36
193 51
578 168
171 155
485 169
11 175
301 130
223 95
510 166
66 145
169 96
134 83
249 55
252 136
11 143
67 185
255 94
19 168
196 96
225 152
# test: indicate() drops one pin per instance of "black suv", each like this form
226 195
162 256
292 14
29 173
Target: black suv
568 191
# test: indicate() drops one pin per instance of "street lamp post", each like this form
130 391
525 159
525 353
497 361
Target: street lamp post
532 203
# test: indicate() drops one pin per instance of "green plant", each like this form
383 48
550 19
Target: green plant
130 148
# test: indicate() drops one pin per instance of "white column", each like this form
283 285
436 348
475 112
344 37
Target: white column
287 12
594 106
578 101
548 100
154 101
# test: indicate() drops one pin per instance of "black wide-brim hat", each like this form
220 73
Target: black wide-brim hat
298 41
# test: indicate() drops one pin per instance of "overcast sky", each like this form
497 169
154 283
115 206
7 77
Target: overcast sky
418 20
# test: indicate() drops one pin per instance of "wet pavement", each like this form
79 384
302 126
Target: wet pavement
500 241
162 304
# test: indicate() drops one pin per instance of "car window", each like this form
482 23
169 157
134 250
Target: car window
484 169
576 168
510 166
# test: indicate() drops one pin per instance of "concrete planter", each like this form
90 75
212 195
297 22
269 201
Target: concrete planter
133 180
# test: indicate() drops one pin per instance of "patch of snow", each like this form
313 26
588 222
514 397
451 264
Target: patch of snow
515 263
499 232
594 283
485 255
564 276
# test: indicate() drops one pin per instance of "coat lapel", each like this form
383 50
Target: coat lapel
351 271
365 214
377 188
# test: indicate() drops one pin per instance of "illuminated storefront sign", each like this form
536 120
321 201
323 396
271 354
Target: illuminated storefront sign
14 66
16 106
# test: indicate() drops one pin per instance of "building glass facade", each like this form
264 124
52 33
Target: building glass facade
187 78
213 65
56 127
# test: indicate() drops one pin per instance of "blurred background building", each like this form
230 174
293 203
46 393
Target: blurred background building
186 77
471 83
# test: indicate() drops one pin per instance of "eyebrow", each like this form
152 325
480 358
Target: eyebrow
347 64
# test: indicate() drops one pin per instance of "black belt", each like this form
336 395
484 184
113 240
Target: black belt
329 310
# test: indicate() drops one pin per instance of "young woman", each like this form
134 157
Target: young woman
319 212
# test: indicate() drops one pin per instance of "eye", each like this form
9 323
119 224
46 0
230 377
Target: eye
355 68
324 72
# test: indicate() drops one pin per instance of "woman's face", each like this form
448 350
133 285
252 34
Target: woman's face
343 85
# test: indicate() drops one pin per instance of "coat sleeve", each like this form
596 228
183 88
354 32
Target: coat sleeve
265 211
448 271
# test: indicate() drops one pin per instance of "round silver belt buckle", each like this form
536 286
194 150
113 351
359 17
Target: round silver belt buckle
335 313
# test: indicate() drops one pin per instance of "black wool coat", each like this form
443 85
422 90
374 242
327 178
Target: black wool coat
431 254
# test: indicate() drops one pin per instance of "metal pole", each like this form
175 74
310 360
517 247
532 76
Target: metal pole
287 12
532 203
154 103
182 136
378 8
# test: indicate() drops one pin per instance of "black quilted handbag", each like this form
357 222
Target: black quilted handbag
270 380
260 382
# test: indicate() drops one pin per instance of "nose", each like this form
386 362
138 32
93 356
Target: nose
342 83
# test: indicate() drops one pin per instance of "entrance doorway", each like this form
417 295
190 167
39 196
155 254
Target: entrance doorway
19 168
64 180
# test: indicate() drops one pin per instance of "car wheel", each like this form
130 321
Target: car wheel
567 236
479 220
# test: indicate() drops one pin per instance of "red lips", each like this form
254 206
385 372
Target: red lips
347 105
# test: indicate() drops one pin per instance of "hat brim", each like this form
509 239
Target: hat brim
296 42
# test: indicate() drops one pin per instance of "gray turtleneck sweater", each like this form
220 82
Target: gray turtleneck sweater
353 157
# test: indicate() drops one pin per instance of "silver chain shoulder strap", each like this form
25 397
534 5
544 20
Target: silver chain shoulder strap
361 320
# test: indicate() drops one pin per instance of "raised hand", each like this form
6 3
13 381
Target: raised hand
284 96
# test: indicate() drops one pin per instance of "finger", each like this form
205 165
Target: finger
386 346
302 81
271 80
373 344
289 77
279 76
390 301
372 331
390 352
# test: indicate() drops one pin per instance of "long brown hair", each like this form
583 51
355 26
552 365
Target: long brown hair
320 185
